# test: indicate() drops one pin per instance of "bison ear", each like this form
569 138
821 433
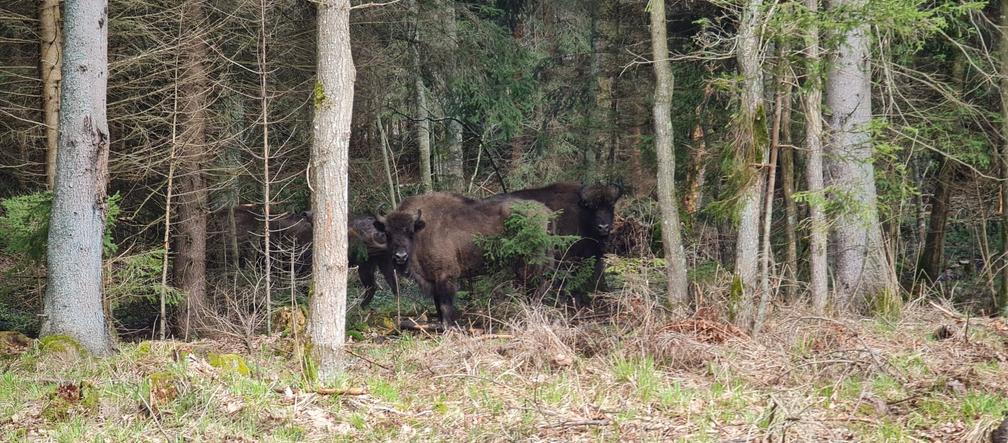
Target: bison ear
615 192
418 224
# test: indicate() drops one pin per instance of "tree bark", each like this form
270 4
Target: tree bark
51 65
933 256
454 173
787 174
675 256
698 170
1002 297
385 161
190 258
818 229
753 148
422 110
73 300
333 111
861 267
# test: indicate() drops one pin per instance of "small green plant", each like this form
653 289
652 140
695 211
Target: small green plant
24 225
525 239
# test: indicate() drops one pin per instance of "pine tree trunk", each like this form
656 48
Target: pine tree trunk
190 258
818 229
333 111
675 256
73 300
51 40
753 148
422 110
861 266
454 172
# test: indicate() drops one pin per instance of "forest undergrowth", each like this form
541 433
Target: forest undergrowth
625 370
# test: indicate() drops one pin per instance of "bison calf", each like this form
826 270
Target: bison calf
431 237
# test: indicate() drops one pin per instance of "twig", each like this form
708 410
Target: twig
154 417
347 349
373 4
576 423
323 391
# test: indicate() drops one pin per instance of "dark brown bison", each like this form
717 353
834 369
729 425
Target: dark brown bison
585 211
431 238
291 239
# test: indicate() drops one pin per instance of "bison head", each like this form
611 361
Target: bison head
400 230
597 206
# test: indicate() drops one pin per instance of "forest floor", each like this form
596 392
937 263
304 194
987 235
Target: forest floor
631 373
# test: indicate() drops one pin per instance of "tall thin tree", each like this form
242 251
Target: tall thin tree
818 283
422 110
334 90
675 256
190 253
51 40
752 142
73 300
1002 296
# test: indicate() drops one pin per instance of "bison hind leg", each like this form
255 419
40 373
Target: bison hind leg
444 296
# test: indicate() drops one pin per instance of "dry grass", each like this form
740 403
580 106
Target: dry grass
627 371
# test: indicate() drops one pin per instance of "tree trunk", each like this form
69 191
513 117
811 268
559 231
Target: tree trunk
190 258
333 111
422 110
753 150
267 180
49 33
818 229
1002 298
385 161
933 256
675 256
73 298
787 175
454 173
861 266
698 170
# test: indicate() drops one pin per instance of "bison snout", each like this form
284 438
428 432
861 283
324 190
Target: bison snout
604 228
400 257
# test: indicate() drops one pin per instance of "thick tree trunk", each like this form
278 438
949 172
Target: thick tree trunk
422 110
861 266
190 258
753 149
675 256
933 255
51 40
73 299
818 229
334 107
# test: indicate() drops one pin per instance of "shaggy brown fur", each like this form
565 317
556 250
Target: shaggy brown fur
431 237
585 211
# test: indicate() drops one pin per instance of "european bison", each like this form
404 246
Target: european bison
431 237
291 237
585 211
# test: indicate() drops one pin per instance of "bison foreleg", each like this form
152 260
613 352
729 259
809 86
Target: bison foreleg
444 297
366 272
387 270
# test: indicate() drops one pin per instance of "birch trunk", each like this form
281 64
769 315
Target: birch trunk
861 266
333 110
51 40
675 256
818 283
73 300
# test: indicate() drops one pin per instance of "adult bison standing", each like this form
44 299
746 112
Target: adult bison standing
585 211
432 238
